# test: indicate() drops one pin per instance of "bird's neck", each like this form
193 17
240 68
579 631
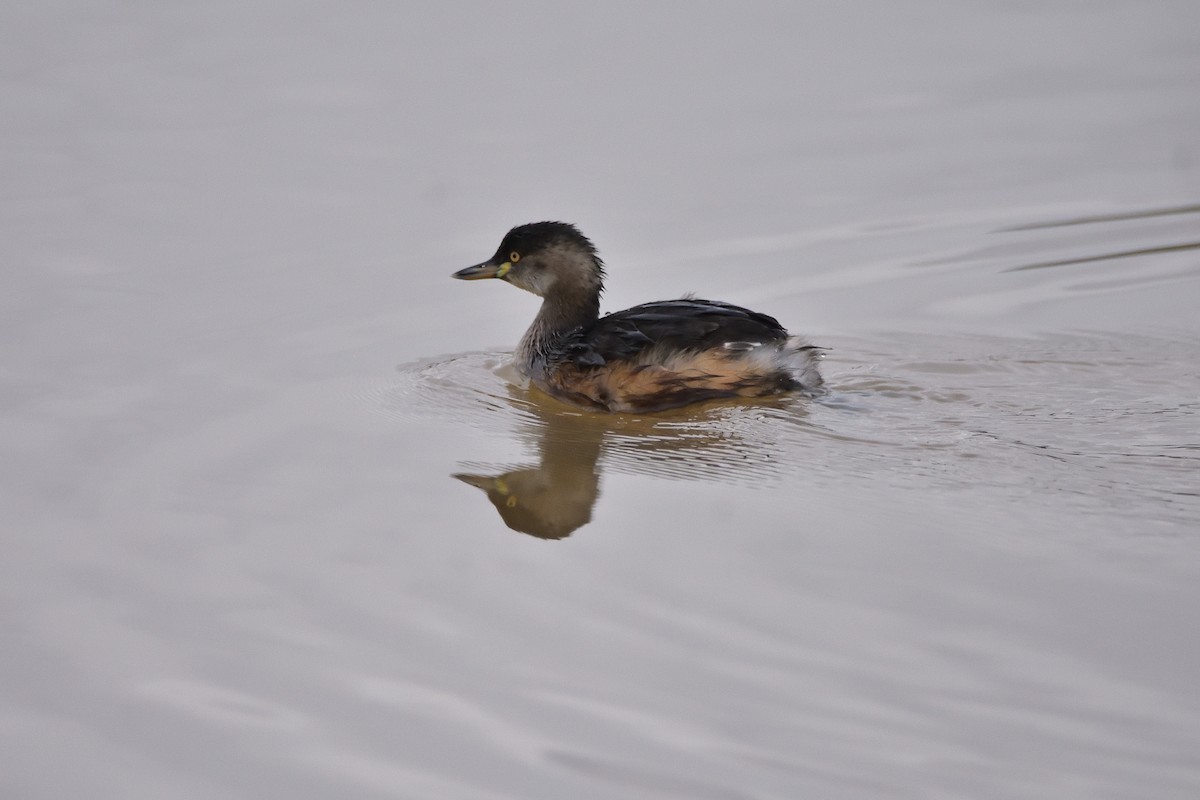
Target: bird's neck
562 313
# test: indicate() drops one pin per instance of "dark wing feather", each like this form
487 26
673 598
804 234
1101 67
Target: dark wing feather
686 324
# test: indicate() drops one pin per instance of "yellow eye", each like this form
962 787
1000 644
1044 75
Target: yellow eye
514 257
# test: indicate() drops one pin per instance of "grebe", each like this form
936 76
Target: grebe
647 358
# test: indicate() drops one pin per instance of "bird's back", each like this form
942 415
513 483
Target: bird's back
687 324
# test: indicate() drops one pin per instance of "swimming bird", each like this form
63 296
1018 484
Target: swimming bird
650 357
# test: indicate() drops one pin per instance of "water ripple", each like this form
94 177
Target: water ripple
918 411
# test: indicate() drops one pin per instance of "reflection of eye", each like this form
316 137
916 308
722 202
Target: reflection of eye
511 502
514 256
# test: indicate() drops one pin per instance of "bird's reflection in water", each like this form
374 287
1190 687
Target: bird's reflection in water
554 498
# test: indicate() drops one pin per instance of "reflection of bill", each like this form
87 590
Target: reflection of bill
722 442
554 498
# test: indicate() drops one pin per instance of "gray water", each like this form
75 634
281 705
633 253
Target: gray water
279 522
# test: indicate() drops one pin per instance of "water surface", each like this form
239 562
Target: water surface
279 521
